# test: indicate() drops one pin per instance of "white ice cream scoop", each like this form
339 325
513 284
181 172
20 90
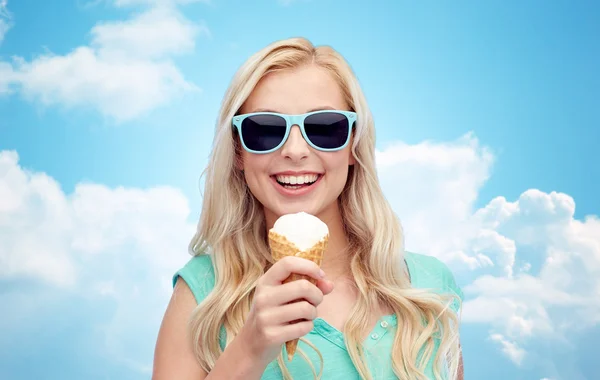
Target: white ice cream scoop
302 229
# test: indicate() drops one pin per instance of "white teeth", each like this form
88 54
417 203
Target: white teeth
297 180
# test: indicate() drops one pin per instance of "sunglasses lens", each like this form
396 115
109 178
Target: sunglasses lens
263 132
327 130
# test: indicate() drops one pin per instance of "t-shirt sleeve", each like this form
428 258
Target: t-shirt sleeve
452 287
198 274
431 273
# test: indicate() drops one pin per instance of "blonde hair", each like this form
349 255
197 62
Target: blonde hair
232 230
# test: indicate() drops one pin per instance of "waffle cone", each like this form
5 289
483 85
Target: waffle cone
282 247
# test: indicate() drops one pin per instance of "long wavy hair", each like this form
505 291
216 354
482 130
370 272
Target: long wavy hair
232 229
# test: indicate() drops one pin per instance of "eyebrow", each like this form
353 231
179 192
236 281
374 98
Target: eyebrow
311 110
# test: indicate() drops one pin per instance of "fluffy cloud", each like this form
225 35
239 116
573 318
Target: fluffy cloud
554 290
156 33
563 295
52 236
126 71
432 187
93 244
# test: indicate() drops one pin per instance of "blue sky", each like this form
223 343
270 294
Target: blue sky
487 119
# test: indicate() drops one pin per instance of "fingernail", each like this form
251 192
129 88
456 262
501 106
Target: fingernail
321 273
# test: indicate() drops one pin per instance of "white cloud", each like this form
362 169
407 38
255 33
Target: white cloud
156 33
122 89
432 187
554 289
50 235
94 243
563 295
5 23
34 226
126 71
511 349
4 27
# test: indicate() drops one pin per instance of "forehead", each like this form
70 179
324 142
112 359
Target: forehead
296 91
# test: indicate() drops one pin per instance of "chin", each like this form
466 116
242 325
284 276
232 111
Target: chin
293 209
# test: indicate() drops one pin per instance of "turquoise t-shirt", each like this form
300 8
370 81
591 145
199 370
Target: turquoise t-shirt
425 272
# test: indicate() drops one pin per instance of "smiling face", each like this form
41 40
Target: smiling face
278 179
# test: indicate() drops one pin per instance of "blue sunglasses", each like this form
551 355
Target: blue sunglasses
265 132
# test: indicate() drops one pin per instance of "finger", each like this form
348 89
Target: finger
293 331
294 291
292 264
295 312
325 286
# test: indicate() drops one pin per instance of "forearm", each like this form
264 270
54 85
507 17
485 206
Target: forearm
237 363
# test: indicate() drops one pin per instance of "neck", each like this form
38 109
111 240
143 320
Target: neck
336 260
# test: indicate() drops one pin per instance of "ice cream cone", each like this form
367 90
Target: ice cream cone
282 247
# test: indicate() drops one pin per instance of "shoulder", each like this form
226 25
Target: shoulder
198 273
429 272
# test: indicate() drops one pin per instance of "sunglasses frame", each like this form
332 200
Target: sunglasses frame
291 120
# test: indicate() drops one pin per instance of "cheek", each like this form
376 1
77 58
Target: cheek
255 168
250 162
336 161
337 169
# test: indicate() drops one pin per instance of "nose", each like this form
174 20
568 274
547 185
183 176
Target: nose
295 148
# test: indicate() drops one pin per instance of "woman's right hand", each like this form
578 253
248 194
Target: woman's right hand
276 305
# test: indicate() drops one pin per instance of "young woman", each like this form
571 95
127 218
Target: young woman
295 134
